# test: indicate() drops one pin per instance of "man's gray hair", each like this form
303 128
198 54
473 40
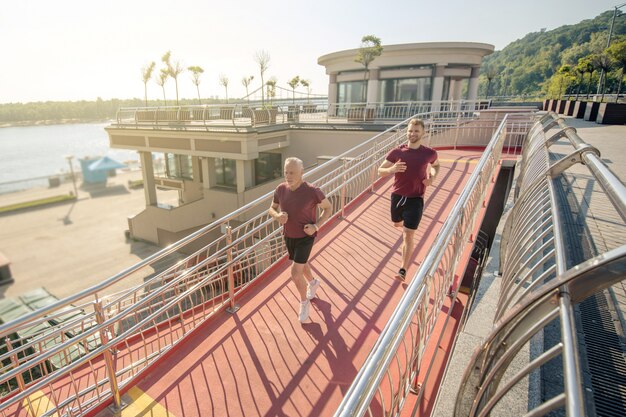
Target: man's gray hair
293 159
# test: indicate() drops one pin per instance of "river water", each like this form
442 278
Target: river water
36 151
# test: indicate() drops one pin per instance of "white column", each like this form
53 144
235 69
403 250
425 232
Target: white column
437 89
206 178
472 90
147 169
241 176
332 89
373 85
457 89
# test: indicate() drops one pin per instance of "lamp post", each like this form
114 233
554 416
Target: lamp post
69 161
608 42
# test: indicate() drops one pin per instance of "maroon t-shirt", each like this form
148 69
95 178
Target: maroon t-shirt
409 183
300 206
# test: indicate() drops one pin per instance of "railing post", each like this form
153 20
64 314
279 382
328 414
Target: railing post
374 168
19 377
108 359
343 190
231 276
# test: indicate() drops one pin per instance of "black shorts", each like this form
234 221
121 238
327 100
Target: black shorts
407 209
299 248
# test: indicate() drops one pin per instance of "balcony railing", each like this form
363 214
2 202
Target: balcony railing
243 116
86 347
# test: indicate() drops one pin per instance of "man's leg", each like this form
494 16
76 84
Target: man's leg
297 276
407 247
308 274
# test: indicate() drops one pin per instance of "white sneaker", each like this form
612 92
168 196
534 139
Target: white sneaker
311 289
304 310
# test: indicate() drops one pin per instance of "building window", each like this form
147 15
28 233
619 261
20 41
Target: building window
405 89
226 172
351 92
178 166
267 167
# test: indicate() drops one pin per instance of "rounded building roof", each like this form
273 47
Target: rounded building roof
426 53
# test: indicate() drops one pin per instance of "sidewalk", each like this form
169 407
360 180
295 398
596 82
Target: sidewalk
71 246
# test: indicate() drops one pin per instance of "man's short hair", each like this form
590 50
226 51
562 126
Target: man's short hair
416 122
294 160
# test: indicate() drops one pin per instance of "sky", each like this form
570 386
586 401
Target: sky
69 50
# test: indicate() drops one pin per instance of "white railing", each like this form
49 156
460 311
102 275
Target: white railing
283 112
98 341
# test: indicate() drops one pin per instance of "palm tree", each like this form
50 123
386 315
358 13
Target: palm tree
603 62
246 82
173 70
588 67
146 73
195 78
306 84
263 59
490 73
617 51
369 50
293 83
271 88
224 83
161 79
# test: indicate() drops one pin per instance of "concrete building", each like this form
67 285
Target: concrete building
218 158
433 71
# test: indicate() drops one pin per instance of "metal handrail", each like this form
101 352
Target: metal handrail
180 297
251 115
537 286
449 243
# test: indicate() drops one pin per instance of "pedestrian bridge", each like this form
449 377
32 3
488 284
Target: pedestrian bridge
217 333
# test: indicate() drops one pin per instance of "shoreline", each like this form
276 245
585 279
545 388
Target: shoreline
27 123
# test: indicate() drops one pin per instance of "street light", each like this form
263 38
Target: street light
69 161
608 42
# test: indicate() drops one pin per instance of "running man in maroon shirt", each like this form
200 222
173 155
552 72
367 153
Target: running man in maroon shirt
295 207
414 166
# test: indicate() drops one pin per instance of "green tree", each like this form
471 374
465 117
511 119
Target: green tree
196 72
602 62
246 82
293 83
368 51
263 59
224 83
490 74
306 84
161 79
617 52
585 66
146 74
173 69
271 89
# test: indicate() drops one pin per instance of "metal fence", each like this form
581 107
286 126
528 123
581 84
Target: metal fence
284 112
81 351
538 289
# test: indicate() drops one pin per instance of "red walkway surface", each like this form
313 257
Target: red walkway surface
262 361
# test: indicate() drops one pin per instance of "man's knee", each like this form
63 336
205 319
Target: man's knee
297 269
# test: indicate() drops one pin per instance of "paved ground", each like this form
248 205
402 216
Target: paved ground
71 246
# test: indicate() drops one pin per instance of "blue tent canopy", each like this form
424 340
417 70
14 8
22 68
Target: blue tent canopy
105 164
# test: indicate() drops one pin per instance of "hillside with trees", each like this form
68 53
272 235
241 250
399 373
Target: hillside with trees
559 61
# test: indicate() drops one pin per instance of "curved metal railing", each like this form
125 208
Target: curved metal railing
538 289
83 349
